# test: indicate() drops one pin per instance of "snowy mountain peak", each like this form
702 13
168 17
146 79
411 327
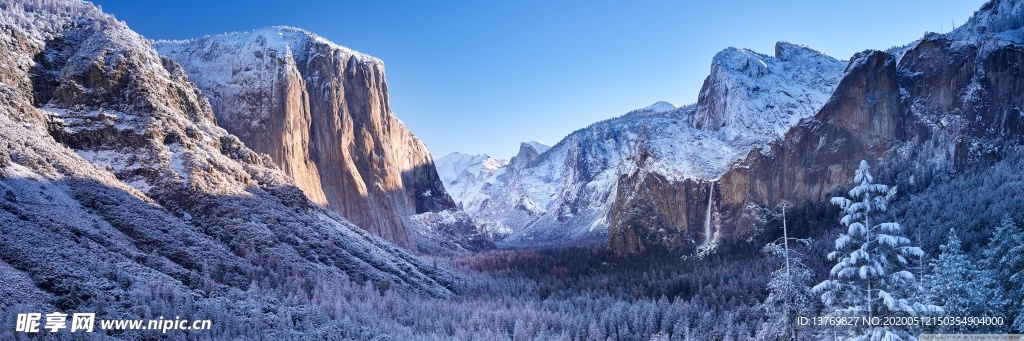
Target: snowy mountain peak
466 177
450 166
749 95
660 107
733 59
528 153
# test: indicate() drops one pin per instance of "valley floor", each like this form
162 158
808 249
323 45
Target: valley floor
580 293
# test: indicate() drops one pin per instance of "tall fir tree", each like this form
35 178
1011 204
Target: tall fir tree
789 297
1004 263
958 285
870 278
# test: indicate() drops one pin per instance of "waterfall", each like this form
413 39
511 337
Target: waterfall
707 217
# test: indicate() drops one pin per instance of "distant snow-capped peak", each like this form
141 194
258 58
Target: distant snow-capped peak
468 177
660 107
450 166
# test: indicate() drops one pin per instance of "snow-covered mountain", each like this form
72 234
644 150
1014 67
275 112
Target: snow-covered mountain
118 190
321 111
767 129
468 177
749 95
567 191
658 107
471 177
948 101
528 153
944 103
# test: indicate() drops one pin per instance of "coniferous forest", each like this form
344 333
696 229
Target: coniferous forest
259 181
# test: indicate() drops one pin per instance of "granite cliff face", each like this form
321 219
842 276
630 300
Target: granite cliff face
950 101
321 111
115 180
865 117
653 213
947 101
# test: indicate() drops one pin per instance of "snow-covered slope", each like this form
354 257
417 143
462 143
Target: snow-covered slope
659 107
997 21
451 166
541 147
566 192
116 183
749 95
528 153
448 233
468 177
944 103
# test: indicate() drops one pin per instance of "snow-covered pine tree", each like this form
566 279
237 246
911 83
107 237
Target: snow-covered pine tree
1004 263
789 291
958 285
870 277
789 297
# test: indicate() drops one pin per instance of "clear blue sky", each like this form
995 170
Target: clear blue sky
481 76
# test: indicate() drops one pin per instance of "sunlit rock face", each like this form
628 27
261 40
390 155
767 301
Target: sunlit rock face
321 111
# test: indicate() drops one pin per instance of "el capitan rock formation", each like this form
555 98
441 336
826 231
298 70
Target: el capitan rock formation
321 111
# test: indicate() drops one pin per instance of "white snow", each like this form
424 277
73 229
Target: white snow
659 107
466 177
996 24
257 60
540 147
567 192
94 119
753 96
178 161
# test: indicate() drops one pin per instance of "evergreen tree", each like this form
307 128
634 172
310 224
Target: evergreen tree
870 277
789 297
789 291
957 284
1004 263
